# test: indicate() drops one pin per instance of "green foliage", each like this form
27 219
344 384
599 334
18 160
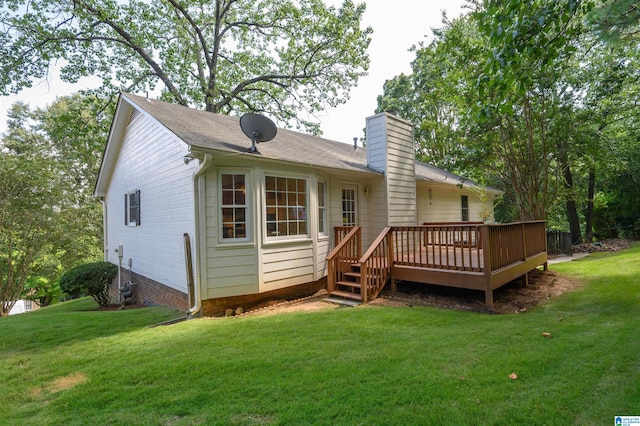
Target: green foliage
92 279
48 219
437 96
616 21
29 218
280 57
525 38
520 94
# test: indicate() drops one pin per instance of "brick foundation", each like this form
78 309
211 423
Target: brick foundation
149 292
214 307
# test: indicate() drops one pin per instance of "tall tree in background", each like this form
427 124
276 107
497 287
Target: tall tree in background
537 44
438 94
29 212
228 56
531 43
522 94
48 221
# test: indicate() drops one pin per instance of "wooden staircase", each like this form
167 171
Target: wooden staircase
349 286
355 276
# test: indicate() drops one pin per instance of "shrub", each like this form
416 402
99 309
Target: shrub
92 279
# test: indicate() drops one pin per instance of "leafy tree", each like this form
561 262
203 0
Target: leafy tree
531 43
616 21
437 95
92 279
29 213
229 56
545 47
505 146
48 220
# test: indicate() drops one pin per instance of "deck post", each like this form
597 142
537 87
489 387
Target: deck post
524 241
486 256
390 256
364 282
331 276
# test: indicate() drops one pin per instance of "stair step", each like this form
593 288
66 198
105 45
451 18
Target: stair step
345 294
353 275
351 284
342 301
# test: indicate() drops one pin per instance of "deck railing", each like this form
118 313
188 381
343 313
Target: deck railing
375 265
347 251
340 232
514 242
451 246
485 256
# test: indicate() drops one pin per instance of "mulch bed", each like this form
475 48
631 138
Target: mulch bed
508 299
118 306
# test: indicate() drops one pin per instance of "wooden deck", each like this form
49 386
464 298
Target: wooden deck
473 256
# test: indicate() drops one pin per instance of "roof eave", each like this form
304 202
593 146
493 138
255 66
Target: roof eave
112 147
196 150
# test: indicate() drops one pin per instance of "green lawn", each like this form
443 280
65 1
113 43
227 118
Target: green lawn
68 364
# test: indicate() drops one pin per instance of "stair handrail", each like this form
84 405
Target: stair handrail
376 265
347 251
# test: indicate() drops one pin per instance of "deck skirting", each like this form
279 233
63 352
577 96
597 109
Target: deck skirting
445 277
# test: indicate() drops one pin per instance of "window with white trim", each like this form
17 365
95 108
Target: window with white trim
465 208
286 206
322 207
233 206
132 208
28 305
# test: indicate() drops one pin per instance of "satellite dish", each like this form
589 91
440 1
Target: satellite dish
258 128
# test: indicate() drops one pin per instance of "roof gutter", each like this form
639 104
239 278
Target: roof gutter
198 192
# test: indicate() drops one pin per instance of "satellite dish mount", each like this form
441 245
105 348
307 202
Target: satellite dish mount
258 128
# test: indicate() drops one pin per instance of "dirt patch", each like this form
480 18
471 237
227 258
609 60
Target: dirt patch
118 307
307 304
60 384
511 298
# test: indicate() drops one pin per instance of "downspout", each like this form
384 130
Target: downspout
105 235
198 193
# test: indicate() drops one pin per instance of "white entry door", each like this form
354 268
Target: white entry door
349 205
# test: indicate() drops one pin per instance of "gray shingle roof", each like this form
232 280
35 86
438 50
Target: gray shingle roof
203 130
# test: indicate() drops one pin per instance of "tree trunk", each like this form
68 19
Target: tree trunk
572 210
588 234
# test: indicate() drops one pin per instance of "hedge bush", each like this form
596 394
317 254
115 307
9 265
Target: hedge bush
92 279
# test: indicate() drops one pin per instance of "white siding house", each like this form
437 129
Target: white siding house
259 223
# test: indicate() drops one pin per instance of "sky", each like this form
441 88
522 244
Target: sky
397 25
